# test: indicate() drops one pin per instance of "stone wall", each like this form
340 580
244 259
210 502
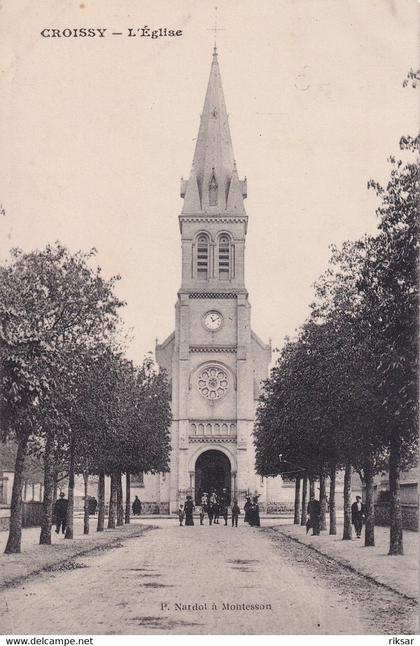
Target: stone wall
410 515
156 508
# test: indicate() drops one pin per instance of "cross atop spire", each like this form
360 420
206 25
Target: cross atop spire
215 29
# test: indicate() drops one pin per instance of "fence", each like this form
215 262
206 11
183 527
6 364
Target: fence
32 514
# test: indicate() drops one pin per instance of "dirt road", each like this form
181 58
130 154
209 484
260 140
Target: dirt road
188 580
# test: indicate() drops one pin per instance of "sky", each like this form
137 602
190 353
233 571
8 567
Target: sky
96 133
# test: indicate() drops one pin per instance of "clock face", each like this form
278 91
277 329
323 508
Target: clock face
213 320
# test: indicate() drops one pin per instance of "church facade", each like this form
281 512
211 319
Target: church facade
214 360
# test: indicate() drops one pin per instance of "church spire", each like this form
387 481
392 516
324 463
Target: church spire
213 164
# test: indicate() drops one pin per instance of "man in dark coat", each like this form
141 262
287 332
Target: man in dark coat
358 515
224 504
216 508
92 505
136 506
235 513
60 513
211 501
314 521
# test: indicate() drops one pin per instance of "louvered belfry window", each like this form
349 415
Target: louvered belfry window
224 257
202 257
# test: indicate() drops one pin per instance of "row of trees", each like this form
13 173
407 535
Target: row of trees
68 393
343 394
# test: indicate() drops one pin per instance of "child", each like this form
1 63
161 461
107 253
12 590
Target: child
235 513
181 514
201 511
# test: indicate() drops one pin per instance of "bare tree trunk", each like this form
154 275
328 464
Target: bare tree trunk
112 501
127 497
45 535
333 516
25 490
396 532
86 505
55 485
323 502
347 530
120 506
15 528
370 507
297 501
101 502
304 497
70 497
311 489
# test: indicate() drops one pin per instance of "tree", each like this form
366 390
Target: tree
390 290
320 408
145 418
92 415
297 501
49 300
352 367
285 438
122 425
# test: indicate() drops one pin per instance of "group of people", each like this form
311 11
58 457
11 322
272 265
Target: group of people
215 506
314 516
61 505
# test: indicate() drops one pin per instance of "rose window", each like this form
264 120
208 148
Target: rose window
213 382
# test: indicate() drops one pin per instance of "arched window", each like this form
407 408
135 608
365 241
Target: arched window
224 257
213 191
202 257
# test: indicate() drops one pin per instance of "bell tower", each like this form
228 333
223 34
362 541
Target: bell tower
213 221
214 360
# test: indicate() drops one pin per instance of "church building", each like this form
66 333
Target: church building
214 360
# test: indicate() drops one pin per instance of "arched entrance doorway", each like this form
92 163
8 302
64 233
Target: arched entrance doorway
212 471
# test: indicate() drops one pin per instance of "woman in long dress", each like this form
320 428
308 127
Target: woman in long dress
255 513
188 509
247 509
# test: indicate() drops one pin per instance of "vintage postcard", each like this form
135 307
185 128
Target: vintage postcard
208 318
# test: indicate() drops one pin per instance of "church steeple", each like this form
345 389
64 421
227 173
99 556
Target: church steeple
214 170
